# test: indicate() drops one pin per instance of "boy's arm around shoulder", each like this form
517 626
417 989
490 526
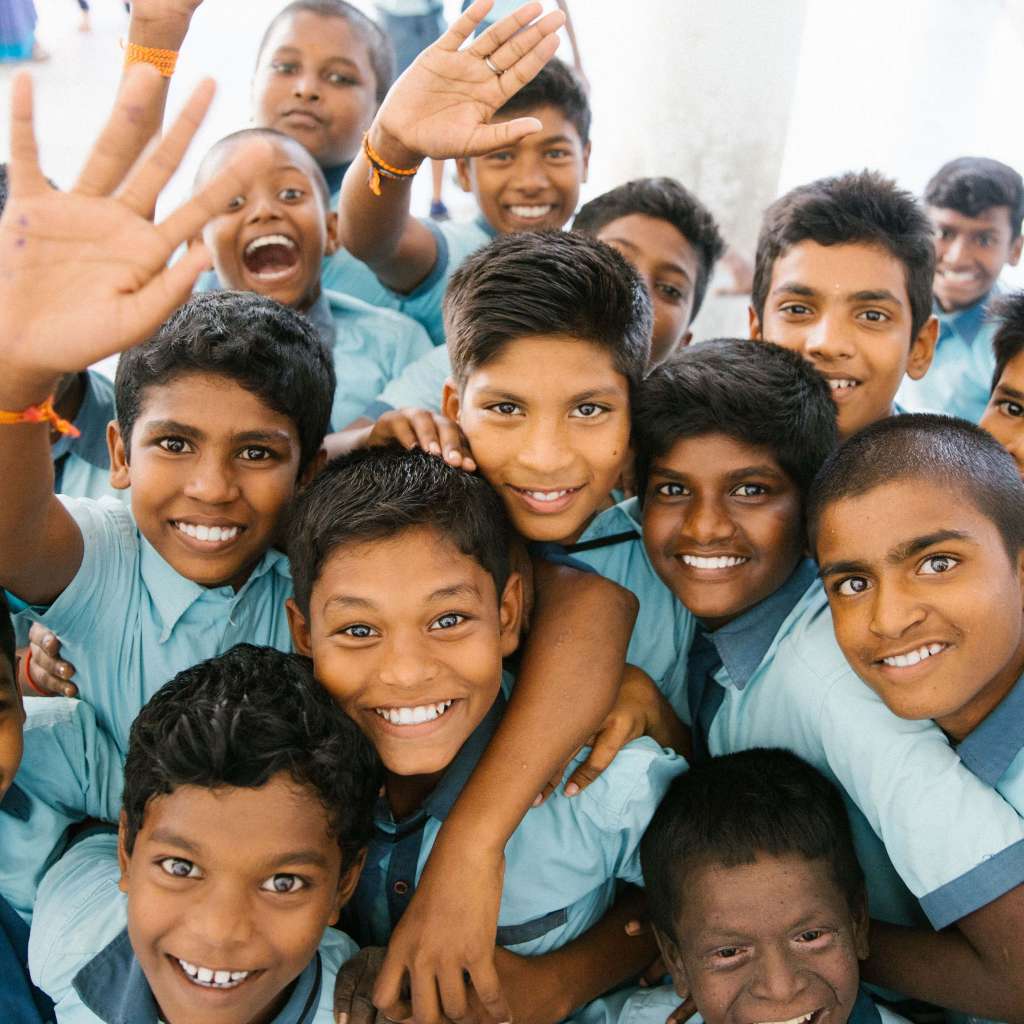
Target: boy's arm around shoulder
438 108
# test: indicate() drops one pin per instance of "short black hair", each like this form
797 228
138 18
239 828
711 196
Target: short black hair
857 208
376 493
757 394
732 809
664 199
972 184
277 138
378 42
4 188
238 720
547 283
1008 313
558 86
270 350
8 645
952 453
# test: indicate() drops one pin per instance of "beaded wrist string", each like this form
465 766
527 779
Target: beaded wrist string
164 61
44 412
379 168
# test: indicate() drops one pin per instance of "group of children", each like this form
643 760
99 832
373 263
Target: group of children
419 617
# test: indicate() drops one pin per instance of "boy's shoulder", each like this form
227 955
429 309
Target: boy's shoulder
347 309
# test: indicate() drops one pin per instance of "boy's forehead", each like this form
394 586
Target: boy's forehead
991 218
286 154
653 237
844 270
715 451
328 36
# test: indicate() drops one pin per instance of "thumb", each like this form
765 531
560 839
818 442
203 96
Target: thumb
489 137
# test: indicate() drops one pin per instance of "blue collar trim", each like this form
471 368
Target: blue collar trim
997 739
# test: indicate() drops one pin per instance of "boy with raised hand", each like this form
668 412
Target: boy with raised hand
1004 414
976 206
407 601
843 275
759 904
216 920
729 435
524 157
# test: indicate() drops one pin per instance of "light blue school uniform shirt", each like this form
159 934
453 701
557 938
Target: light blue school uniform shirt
612 545
562 863
653 1005
959 381
81 956
370 347
70 770
923 822
129 622
81 465
418 386
455 241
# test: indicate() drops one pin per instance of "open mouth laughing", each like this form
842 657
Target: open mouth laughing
271 257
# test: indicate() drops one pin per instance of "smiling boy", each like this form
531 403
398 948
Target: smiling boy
1004 414
976 206
273 239
207 929
843 275
729 436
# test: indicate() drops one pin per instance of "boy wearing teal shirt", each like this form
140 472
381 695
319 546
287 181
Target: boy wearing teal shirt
273 239
757 897
843 275
976 206
406 601
1004 414
176 918
521 142
728 436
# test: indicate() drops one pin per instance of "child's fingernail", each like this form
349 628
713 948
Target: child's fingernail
572 789
538 800
342 1018
69 691
435 448
62 671
49 638
453 455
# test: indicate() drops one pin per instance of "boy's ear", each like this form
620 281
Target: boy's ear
313 470
347 884
123 860
922 349
586 163
331 243
861 925
120 473
510 613
673 961
754 324
462 174
1015 251
451 404
299 627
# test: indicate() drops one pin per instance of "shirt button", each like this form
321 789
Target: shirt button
401 888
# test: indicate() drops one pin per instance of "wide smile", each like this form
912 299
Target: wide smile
960 277
271 258
409 720
914 657
213 979
806 1018
546 501
711 567
530 213
206 537
842 388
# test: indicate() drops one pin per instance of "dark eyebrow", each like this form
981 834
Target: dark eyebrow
562 137
876 295
794 288
348 601
165 835
299 857
633 247
664 471
264 436
900 553
764 469
1005 389
455 590
589 395
174 427
849 568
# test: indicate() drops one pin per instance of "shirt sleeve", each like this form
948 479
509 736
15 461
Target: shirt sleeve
79 910
419 385
955 842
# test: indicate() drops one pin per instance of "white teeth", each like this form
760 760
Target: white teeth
720 562
530 212
842 385
546 495
795 1020
213 534
914 657
207 977
414 716
958 276
259 243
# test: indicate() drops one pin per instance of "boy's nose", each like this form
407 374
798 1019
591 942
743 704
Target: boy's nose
778 979
220 923
829 339
894 612
406 666
211 483
707 523
545 453
306 87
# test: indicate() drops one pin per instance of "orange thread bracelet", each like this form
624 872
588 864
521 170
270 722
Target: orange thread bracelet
164 61
44 412
27 663
379 168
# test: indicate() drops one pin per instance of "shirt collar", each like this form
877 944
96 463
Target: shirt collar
321 317
334 177
968 321
993 744
864 1011
173 594
16 803
113 986
95 412
440 802
743 643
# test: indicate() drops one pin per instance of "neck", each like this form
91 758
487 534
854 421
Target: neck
306 303
961 723
406 793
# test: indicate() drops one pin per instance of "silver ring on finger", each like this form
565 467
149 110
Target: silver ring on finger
494 67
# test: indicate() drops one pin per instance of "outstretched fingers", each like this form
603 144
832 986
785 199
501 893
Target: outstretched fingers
527 64
150 175
125 135
26 176
502 31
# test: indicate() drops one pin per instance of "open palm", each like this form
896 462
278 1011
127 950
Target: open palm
441 106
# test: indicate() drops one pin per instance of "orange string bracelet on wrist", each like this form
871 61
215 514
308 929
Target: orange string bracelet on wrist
379 168
44 412
164 61
26 664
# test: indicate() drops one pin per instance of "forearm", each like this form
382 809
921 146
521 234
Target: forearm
380 230
354 436
560 982
945 969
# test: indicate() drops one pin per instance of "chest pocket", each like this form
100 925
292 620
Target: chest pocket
528 931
